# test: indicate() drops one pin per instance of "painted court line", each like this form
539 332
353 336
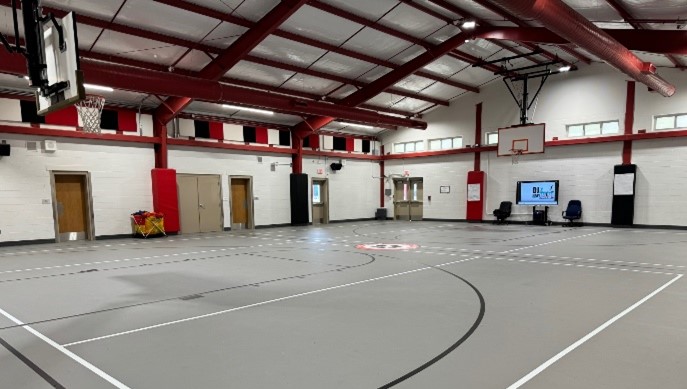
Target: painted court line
66 352
290 297
555 241
590 335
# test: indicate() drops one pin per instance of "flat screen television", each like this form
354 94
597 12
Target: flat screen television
537 193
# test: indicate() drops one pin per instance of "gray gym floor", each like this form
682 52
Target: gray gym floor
473 306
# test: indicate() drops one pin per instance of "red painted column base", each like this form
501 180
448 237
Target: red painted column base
165 197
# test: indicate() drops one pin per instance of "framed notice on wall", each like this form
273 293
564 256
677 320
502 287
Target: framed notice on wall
624 184
444 189
474 192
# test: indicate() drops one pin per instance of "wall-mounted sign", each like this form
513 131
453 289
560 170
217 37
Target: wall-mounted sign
474 192
445 189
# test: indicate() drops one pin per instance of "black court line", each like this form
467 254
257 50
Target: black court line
455 345
32 365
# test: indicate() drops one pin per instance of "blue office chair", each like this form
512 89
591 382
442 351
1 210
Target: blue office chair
572 213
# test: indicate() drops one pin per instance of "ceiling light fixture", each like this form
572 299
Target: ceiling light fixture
254 110
356 125
564 69
98 87
469 24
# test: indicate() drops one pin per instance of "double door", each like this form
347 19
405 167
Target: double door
408 202
200 203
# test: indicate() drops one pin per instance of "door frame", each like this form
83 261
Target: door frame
221 204
90 219
409 202
325 197
250 225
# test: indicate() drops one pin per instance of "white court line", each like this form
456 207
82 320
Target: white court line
290 297
555 241
600 328
66 352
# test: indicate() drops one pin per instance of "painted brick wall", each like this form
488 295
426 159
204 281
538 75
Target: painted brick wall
353 193
270 187
120 181
436 171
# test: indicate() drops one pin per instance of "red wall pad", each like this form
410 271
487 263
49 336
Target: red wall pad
475 204
165 198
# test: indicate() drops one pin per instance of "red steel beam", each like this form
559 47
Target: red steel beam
167 84
625 14
53 133
228 58
230 146
209 12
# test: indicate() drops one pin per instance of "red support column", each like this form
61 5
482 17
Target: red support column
160 131
478 135
629 122
381 178
297 144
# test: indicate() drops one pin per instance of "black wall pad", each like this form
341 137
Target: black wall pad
300 212
623 211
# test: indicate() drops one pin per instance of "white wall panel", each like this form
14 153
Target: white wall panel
327 142
272 188
233 132
272 137
120 179
10 110
650 104
358 145
186 127
353 193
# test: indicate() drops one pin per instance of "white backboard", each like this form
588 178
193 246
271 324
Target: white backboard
61 66
529 138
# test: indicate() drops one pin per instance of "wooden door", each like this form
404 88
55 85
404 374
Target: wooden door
72 206
188 204
416 198
239 203
210 203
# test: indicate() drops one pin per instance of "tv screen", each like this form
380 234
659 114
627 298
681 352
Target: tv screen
537 193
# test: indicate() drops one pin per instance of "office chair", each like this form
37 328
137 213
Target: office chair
503 212
573 212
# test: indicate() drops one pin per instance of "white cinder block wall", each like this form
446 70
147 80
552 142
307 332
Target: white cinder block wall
595 93
120 182
353 192
272 188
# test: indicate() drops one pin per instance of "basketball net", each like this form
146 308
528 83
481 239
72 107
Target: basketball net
515 155
89 110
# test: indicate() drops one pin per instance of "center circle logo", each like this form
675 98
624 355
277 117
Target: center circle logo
386 246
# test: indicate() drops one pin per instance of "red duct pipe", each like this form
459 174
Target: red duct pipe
566 22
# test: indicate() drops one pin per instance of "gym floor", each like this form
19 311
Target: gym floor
472 306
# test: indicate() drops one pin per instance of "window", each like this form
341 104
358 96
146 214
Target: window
316 198
670 122
409 147
446 143
492 138
592 129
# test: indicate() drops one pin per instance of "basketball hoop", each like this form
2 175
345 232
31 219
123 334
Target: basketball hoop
515 155
89 110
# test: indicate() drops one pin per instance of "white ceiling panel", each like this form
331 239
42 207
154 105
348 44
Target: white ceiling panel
103 9
376 44
384 99
656 59
476 9
87 35
132 99
444 34
341 65
195 60
259 73
414 83
589 55
657 9
165 19
287 51
614 25
371 10
343 92
441 91
254 9
480 48
374 74
142 49
320 25
224 35
429 4
407 54
473 76
594 9
446 66
408 19
412 105
310 84
227 6
206 108
7 24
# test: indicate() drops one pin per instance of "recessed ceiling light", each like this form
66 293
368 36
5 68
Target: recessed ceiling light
98 87
238 108
355 125
564 69
469 24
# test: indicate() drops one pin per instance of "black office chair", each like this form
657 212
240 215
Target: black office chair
503 212
572 213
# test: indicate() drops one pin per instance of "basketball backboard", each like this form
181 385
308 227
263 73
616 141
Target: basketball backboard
62 66
528 138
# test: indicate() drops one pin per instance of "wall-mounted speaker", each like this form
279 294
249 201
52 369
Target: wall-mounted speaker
4 150
336 166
